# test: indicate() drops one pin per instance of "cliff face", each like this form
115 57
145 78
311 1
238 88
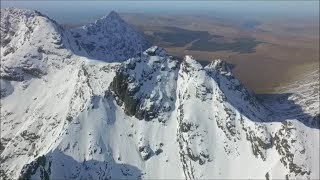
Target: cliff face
152 116
146 85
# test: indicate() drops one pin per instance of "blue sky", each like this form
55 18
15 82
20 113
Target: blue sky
71 11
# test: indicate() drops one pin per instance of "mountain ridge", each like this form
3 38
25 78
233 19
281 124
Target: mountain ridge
110 39
150 116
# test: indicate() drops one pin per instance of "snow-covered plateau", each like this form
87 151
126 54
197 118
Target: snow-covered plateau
96 103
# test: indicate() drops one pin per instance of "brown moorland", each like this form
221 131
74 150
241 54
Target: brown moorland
269 54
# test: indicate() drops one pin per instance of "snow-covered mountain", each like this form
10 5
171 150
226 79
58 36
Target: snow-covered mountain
65 115
109 39
31 45
299 99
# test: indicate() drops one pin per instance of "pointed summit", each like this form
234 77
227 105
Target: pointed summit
114 14
220 66
19 29
112 18
156 51
110 39
67 111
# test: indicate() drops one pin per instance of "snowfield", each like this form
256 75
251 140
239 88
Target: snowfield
95 103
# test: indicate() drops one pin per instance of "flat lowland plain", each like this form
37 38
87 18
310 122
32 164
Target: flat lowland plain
267 52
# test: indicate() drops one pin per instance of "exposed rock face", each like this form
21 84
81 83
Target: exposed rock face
285 146
145 85
64 116
31 44
5 88
146 152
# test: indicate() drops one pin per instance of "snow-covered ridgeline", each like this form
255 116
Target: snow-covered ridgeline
151 116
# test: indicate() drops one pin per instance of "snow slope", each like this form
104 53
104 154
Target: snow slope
109 39
153 116
299 99
31 44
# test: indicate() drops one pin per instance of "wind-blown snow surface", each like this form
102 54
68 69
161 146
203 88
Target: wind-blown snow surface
153 116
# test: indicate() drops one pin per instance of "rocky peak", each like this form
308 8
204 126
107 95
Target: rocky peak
156 51
220 66
10 20
109 39
76 110
31 43
114 15
19 12
145 85
190 64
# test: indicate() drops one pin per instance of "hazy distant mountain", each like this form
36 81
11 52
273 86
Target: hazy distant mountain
110 39
67 112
